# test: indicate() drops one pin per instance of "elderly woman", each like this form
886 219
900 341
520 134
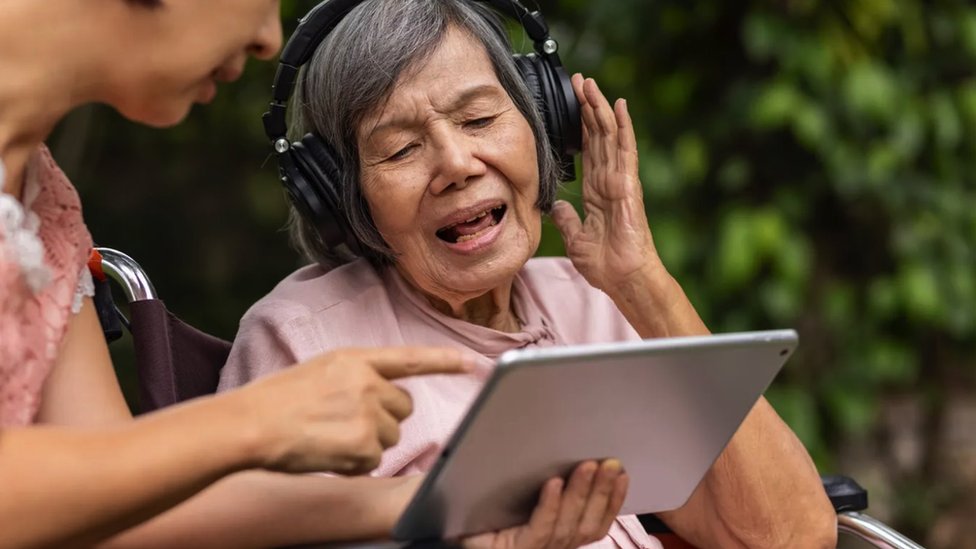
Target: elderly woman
448 173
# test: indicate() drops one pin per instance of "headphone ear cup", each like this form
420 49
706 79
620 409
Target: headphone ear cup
552 90
295 178
526 65
322 172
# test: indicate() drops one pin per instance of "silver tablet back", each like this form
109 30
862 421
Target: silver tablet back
666 408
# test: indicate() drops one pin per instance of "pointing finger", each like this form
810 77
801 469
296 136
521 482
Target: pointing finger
397 362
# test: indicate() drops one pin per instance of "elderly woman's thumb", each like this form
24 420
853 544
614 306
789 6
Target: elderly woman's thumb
567 220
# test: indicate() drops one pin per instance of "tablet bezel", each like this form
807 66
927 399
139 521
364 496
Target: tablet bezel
424 517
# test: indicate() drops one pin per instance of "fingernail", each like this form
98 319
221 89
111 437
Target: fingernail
612 465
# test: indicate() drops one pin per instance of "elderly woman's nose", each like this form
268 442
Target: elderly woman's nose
457 164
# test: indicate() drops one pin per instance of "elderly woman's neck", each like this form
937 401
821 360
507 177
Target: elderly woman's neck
491 310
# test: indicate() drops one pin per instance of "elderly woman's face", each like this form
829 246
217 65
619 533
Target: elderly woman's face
451 175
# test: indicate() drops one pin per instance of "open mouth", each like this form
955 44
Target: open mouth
473 227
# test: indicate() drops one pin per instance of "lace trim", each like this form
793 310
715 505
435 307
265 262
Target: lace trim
19 228
86 288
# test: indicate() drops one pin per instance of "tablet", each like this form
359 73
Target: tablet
665 407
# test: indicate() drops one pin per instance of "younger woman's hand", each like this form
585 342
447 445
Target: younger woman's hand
569 516
337 412
612 243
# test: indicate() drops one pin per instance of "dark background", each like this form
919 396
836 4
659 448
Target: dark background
806 164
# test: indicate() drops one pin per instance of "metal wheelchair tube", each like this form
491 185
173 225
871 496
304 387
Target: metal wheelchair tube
873 531
128 274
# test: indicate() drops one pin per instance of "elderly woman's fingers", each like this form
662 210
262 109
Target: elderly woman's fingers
617 497
626 139
567 220
573 504
600 143
538 531
577 81
590 122
599 504
606 123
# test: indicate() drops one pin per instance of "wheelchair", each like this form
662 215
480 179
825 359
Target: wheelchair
177 362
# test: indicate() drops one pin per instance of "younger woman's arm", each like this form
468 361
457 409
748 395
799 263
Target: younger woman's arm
93 472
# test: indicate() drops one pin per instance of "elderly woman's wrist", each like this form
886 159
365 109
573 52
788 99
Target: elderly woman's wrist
655 304
651 282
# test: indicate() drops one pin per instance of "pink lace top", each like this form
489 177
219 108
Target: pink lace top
44 249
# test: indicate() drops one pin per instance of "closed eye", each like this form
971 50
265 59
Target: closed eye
402 153
478 123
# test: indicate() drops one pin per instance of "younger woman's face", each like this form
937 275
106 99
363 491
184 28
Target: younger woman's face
177 52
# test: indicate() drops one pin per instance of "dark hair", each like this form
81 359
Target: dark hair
147 3
355 69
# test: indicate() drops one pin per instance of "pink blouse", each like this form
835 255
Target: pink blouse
44 248
312 312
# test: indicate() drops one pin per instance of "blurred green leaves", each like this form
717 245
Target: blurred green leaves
812 164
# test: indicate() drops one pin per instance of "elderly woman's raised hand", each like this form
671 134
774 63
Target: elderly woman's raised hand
339 411
612 243
567 517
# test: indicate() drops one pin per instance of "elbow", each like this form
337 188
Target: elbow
822 529
810 526
813 527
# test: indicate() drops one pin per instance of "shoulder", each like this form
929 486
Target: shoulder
312 288
545 272
48 183
308 313
313 291
579 312
555 278
54 200
320 309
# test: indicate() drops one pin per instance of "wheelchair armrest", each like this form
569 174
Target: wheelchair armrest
844 493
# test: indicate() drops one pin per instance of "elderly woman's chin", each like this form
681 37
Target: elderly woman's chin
480 256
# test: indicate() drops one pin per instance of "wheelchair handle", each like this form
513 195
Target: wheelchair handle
873 531
128 274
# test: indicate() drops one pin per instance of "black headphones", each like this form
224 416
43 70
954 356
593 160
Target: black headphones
310 169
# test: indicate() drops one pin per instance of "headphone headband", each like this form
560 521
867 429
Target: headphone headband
323 18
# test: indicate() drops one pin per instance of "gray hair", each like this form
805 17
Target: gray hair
354 71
